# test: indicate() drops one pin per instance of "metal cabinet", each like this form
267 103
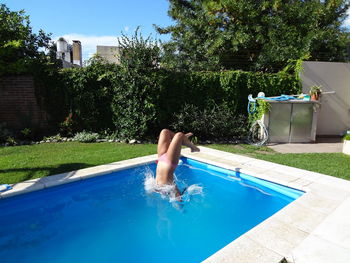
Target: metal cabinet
292 121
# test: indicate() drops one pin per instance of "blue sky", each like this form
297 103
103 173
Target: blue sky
94 22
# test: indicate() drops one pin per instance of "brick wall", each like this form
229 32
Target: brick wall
19 107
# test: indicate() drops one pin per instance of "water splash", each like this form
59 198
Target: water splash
169 191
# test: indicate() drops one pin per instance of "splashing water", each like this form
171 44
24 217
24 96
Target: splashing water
169 191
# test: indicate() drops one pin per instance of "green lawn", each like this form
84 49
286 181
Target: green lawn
34 161
335 164
27 162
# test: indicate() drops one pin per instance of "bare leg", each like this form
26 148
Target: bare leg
164 140
174 148
189 134
189 144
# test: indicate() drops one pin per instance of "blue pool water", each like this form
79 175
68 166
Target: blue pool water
112 218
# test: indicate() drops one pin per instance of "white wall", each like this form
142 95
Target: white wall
334 115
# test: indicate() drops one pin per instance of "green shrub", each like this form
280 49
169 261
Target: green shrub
137 102
89 93
136 99
26 134
53 138
214 122
11 141
68 126
136 89
85 136
347 137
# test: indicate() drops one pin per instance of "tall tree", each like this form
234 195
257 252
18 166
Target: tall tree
18 44
254 34
136 87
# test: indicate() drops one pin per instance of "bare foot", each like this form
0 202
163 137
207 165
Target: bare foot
194 148
189 134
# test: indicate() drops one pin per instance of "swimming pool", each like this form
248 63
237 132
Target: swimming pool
112 218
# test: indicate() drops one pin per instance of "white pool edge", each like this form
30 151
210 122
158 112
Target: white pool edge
314 228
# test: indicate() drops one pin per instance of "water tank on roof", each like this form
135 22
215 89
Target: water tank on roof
62 45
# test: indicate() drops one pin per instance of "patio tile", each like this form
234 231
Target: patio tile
303 218
244 250
24 187
335 182
336 227
289 170
280 175
232 164
303 181
329 191
225 155
239 158
317 250
277 236
60 179
261 164
253 170
318 203
311 176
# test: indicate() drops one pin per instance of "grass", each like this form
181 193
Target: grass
22 163
334 164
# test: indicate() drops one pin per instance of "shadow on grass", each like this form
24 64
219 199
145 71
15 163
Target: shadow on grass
17 175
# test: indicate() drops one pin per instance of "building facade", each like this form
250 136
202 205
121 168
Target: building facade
71 55
109 53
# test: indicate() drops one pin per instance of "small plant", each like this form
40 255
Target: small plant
67 126
315 92
11 141
262 107
54 138
85 136
26 133
113 136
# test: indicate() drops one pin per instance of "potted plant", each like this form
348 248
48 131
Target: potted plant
346 144
315 92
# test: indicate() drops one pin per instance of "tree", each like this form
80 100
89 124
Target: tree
135 91
254 35
19 46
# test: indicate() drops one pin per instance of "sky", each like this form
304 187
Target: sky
97 22
94 22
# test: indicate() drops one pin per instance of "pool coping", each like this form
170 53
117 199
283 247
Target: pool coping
313 228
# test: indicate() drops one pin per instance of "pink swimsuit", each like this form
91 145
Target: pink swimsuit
164 158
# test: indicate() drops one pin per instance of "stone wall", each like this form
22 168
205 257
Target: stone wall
19 106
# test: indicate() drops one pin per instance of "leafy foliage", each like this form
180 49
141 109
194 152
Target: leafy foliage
253 35
85 136
215 122
139 103
262 107
88 93
135 89
19 46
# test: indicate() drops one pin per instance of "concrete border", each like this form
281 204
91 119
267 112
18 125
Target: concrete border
314 228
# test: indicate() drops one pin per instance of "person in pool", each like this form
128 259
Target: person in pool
169 149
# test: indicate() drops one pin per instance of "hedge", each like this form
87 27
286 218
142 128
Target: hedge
134 105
